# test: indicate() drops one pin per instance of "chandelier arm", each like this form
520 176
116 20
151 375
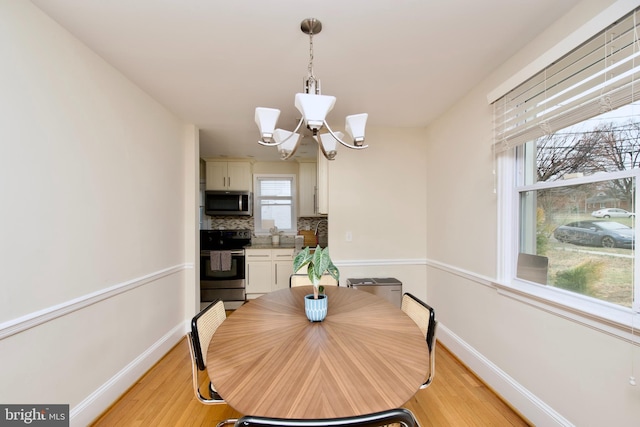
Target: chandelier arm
269 144
275 144
288 156
353 147
298 126
321 145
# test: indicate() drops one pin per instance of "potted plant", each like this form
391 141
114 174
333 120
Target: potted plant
275 235
318 264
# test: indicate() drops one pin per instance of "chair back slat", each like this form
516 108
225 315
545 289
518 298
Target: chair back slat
424 316
203 326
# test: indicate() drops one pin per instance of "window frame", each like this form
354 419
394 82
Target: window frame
257 211
605 317
602 315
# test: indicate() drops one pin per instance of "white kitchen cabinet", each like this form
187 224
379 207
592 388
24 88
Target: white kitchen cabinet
307 181
267 270
221 175
283 266
258 277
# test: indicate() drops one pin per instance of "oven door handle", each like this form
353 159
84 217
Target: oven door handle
236 253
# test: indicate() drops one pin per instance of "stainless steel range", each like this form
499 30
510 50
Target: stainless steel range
222 266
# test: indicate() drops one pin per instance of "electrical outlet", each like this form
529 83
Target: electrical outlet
348 237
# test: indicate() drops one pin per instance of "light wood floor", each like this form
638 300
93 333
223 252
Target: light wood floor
164 397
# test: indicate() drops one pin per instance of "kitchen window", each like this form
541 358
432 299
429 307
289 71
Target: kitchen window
275 203
567 144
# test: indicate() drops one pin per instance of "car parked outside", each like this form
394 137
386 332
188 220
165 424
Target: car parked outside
612 213
606 234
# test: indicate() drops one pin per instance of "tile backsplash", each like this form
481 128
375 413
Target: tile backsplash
235 222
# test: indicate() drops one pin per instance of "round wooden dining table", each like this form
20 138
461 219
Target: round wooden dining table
267 359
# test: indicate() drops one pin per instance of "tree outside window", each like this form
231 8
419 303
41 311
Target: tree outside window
565 178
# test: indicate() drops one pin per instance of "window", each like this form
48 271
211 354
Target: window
275 203
568 146
576 193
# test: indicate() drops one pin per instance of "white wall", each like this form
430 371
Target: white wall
378 196
554 370
98 225
281 167
98 221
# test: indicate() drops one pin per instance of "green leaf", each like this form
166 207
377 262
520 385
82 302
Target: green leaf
303 258
334 272
312 277
319 263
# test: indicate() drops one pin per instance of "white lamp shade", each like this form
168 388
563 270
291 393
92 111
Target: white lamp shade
266 119
329 143
355 124
288 141
314 108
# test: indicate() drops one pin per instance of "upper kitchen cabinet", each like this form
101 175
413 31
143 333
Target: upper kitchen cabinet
307 182
228 175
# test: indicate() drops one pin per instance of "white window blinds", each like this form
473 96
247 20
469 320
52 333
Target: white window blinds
275 203
598 76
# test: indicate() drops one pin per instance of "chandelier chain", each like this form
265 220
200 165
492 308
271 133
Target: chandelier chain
310 68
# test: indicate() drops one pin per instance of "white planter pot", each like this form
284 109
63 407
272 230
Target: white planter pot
316 309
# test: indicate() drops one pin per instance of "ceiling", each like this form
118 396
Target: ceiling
211 62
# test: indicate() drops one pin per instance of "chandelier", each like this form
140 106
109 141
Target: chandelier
314 108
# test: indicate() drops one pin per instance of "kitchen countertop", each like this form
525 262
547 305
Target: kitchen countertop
280 246
270 246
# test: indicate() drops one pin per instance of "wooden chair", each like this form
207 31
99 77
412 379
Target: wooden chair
424 316
203 326
400 416
298 279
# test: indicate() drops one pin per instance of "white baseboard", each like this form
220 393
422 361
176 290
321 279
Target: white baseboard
525 402
98 401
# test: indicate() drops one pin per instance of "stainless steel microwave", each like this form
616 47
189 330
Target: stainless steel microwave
218 203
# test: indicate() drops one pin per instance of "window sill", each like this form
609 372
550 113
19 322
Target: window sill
614 320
